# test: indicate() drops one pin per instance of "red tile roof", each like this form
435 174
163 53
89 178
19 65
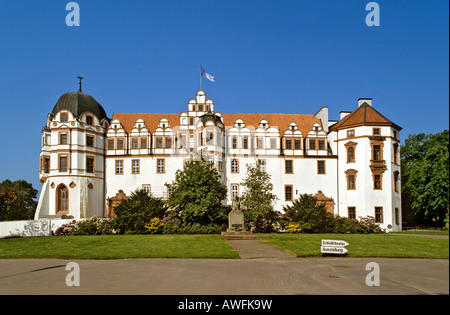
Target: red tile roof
363 115
304 122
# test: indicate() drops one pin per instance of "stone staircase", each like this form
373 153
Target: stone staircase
241 235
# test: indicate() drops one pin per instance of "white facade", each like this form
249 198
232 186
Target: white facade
350 162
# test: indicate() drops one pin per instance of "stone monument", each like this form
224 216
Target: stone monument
236 217
236 227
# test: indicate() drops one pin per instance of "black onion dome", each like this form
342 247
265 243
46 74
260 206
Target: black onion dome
79 103
210 116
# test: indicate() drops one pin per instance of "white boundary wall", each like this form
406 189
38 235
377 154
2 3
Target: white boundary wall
30 227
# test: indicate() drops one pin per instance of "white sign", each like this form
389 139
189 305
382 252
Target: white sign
333 250
333 247
334 243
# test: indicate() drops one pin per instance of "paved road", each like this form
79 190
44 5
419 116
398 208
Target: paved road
260 276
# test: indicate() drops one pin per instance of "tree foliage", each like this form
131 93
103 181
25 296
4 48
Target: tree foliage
134 212
425 176
197 193
258 200
17 200
305 209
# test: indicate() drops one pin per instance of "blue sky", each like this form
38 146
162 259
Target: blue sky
289 56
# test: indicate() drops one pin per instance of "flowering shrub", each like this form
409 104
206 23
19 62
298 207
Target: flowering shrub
297 227
154 225
91 226
369 225
65 229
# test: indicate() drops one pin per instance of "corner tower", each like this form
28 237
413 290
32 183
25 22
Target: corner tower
72 158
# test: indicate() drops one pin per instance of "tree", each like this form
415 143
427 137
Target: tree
425 176
258 200
305 209
134 212
197 194
17 200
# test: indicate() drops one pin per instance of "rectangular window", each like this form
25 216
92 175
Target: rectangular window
234 190
352 213
209 137
119 144
273 144
395 152
220 165
146 188
143 143
351 182
377 181
262 165
64 117
160 166
321 167
134 143
63 138
297 144
46 165
288 144
63 163
259 143
376 131
90 164
379 214
312 144
321 144
288 167
234 143
168 143
350 133
89 141
158 142
234 166
245 142
135 166
288 192
377 152
396 181
110 144
397 216
350 155
119 166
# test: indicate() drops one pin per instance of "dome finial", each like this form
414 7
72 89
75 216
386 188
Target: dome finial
81 78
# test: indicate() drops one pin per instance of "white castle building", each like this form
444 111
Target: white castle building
88 161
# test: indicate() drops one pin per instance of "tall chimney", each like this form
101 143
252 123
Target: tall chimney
364 100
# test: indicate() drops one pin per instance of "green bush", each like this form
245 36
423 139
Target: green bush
347 226
134 212
305 209
174 226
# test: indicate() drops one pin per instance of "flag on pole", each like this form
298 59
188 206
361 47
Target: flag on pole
206 74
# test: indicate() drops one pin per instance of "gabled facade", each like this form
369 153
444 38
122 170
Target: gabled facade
351 165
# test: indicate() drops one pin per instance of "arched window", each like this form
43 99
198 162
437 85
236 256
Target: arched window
62 199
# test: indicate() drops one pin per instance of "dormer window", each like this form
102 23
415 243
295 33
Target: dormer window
89 120
64 117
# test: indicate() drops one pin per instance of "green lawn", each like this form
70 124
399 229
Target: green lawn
363 245
119 247
214 246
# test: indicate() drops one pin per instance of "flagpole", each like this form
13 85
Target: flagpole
200 76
